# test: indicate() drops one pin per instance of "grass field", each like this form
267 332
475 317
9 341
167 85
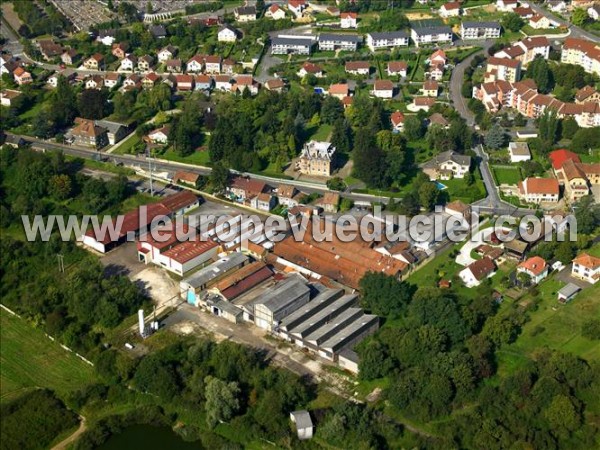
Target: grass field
29 359
554 326
504 175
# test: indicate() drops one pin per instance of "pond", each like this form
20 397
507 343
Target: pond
148 438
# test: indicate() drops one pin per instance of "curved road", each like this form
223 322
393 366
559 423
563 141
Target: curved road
492 203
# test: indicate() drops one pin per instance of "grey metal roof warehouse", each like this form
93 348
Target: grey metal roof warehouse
284 294
322 300
214 270
319 319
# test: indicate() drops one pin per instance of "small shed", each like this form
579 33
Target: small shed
567 293
304 424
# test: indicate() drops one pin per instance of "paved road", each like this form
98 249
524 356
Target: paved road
576 32
171 166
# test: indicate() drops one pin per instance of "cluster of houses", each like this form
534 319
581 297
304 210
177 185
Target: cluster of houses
533 19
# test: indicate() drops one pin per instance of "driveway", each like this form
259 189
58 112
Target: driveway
464 257
566 277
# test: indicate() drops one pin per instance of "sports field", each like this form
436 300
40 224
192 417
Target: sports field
29 359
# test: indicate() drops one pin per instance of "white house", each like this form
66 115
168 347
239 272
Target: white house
538 190
297 7
159 136
166 53
348 20
227 34
397 120
129 63
519 152
474 274
450 9
389 39
480 30
383 89
594 12
506 5
111 79
447 165
275 12
195 64
534 267
431 34
587 268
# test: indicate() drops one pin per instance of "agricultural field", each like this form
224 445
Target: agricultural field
28 359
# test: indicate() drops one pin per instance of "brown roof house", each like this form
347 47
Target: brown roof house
86 133
474 274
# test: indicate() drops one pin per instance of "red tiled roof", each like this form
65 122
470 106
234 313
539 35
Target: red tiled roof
482 268
585 260
534 185
397 118
186 251
558 158
536 265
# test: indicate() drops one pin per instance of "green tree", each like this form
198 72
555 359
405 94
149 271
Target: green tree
341 137
495 138
562 415
374 361
414 128
219 177
428 194
568 128
60 187
384 295
579 17
92 104
549 125
512 22
591 329
539 71
63 104
336 184
222 401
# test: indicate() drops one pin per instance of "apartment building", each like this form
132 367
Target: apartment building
317 158
582 53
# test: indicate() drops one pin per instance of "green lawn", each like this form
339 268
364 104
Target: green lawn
125 147
527 29
29 359
321 133
554 326
505 175
198 158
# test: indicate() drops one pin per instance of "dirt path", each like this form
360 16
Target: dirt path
69 440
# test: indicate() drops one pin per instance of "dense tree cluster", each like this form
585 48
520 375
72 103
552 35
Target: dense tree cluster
33 420
38 21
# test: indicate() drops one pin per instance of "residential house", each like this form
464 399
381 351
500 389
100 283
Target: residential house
275 85
506 5
21 76
421 104
535 268
297 7
129 63
526 50
586 268
358 67
158 31
594 12
292 45
94 62
570 173
50 49
8 97
475 273
582 53
568 292
150 80
459 209
519 152
539 190
383 89
540 22
174 66
275 12
133 81
212 64
438 120
447 165
159 135
348 20
195 64
310 68
437 57
241 188
389 39
69 56
263 202
228 66
245 13
86 133
145 63
524 12
119 50
397 119
397 68
245 82
184 82
115 132
166 53
450 9
304 424
223 83
106 37
203 83
288 195
317 159
227 34
430 88
94 82
424 35
502 69
330 42
183 177
339 90
587 94
329 202
435 72
480 30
